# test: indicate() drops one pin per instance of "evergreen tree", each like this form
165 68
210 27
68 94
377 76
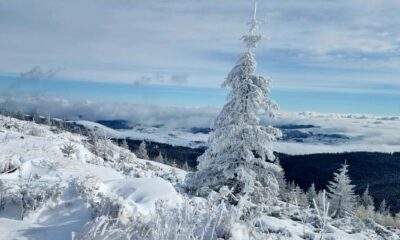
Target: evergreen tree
159 158
124 144
240 154
341 193
383 208
366 199
300 197
280 177
186 166
142 152
48 120
311 194
68 149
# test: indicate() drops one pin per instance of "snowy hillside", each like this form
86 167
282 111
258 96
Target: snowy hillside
43 191
46 194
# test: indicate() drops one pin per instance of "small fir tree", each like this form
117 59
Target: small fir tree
68 149
383 208
124 144
159 158
142 152
186 167
311 194
366 199
341 193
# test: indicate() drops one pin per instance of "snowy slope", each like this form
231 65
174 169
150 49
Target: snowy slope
42 164
52 196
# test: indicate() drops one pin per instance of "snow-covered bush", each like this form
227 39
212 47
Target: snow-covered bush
35 131
322 211
9 163
194 219
29 195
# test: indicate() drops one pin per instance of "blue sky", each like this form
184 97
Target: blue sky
326 56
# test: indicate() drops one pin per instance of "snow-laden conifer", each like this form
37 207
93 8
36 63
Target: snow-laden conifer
311 194
366 199
68 149
341 193
383 208
125 144
142 152
159 158
240 153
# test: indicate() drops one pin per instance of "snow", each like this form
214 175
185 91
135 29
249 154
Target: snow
363 133
89 186
142 192
173 136
41 162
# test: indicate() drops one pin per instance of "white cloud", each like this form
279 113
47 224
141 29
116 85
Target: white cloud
142 114
122 41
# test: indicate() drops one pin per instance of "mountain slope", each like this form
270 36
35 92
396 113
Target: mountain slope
46 194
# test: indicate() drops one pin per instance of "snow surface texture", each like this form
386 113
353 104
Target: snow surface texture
304 133
52 196
41 161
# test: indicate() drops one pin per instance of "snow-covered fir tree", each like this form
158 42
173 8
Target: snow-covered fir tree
383 208
159 158
124 144
366 199
142 152
240 154
311 194
341 193
186 166
68 149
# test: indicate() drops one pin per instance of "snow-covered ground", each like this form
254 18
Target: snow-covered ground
304 133
45 194
37 151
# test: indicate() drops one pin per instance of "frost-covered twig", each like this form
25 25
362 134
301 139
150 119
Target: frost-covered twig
324 215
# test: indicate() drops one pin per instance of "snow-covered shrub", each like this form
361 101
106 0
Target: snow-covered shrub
9 164
102 147
29 195
35 131
194 219
322 211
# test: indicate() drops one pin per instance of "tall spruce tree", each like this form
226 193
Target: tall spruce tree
341 193
240 154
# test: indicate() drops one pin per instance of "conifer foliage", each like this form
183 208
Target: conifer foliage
240 154
341 193
142 151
